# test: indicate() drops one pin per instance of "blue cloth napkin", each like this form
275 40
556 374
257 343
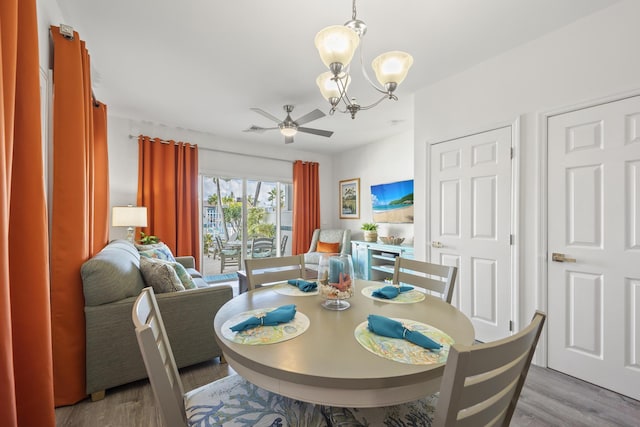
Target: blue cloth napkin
303 285
279 315
393 329
390 292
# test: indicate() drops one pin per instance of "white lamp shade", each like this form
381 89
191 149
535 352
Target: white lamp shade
329 88
392 67
336 44
129 216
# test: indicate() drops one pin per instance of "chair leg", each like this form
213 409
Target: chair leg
221 263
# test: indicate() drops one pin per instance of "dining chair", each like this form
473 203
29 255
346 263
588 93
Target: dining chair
261 247
283 244
228 401
276 269
432 277
228 256
481 385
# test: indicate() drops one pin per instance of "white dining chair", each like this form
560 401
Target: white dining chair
230 401
480 386
274 269
435 278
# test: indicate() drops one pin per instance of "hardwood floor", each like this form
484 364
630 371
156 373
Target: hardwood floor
549 398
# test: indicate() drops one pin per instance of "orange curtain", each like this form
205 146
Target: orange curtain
306 204
79 214
26 371
168 188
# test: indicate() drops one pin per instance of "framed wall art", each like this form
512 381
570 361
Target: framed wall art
350 198
393 202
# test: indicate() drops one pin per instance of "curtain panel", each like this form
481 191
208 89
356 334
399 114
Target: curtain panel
26 369
306 204
168 188
80 207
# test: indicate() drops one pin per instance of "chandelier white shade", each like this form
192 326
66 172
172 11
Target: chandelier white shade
328 87
392 67
336 46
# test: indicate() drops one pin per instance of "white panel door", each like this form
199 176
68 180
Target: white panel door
471 225
594 219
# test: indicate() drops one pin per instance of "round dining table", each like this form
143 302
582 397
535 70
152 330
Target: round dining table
326 364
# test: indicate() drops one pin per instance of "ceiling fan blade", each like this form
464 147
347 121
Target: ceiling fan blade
320 132
314 115
267 115
258 129
288 139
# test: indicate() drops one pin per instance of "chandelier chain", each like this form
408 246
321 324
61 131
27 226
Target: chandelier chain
353 12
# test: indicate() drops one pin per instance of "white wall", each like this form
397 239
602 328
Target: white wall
590 59
123 162
381 162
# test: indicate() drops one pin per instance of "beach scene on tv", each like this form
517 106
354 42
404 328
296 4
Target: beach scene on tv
393 202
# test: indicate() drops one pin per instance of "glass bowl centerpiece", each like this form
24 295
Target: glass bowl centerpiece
335 280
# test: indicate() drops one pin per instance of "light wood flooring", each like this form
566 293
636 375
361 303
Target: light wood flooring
549 398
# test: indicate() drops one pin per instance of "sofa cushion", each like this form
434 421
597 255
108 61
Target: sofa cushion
157 250
112 274
161 276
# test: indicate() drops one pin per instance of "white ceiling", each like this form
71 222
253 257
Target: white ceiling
201 64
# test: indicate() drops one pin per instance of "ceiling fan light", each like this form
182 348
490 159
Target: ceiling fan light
288 130
336 44
392 67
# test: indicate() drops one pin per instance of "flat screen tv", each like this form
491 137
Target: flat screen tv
393 202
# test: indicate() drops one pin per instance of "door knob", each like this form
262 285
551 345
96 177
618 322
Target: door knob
561 258
437 245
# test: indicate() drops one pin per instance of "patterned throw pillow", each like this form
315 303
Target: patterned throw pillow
157 251
160 276
183 274
328 247
181 271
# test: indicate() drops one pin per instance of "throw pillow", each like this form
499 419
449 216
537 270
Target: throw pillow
328 247
142 247
185 277
160 276
158 251
181 271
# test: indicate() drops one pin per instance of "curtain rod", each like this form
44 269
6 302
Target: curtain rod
215 150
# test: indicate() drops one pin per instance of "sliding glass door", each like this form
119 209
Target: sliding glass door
236 213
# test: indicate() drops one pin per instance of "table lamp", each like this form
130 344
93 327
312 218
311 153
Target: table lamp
129 216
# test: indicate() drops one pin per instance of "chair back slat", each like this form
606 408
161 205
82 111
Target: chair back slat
269 270
432 277
482 383
261 247
158 359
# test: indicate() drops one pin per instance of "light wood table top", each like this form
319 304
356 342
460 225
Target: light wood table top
326 364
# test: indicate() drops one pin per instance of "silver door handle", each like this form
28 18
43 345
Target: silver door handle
435 244
556 257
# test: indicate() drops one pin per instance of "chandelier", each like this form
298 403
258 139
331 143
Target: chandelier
337 45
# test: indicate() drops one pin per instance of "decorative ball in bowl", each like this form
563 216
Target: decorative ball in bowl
392 240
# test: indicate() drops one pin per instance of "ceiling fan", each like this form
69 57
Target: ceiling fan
289 127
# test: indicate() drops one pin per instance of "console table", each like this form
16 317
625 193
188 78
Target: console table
375 261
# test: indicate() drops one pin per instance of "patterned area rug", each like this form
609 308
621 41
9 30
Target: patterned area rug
221 278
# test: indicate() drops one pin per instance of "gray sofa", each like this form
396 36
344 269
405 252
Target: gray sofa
111 282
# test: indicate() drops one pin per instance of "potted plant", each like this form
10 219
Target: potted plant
370 231
147 239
